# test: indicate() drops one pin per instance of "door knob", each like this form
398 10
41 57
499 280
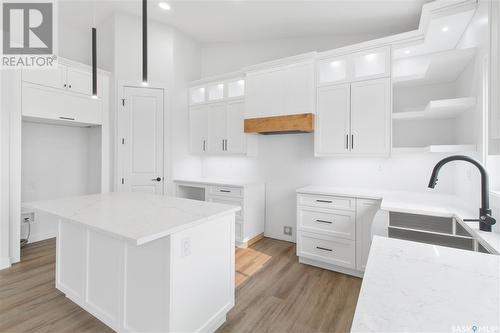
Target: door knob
157 179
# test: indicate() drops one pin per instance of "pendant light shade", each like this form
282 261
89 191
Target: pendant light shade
94 63
144 42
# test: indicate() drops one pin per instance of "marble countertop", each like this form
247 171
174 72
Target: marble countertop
415 287
421 203
216 181
138 217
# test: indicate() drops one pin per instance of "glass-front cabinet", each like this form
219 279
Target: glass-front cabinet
358 66
217 91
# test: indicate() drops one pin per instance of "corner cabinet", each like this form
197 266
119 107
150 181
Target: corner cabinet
216 118
334 232
353 116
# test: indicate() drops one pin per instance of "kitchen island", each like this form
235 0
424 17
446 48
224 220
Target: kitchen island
415 287
146 263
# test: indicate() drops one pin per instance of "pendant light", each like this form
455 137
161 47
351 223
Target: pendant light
144 42
94 58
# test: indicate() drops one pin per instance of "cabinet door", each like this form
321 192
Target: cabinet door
217 127
79 81
235 143
366 210
371 117
55 78
198 117
332 120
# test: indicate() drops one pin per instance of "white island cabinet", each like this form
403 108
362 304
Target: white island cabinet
146 263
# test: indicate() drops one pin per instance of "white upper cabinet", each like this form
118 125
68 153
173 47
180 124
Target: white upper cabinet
280 90
358 66
332 71
217 127
68 78
198 129
333 109
197 95
371 64
216 92
354 119
371 117
54 78
235 136
236 88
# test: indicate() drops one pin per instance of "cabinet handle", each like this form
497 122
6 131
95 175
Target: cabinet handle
325 201
352 141
347 141
69 86
65 85
204 145
66 118
225 144
225 191
323 221
324 248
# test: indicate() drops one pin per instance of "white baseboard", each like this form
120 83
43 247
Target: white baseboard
4 263
41 236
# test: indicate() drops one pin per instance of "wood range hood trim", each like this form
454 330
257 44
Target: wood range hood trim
288 124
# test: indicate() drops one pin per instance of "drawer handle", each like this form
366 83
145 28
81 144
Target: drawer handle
225 191
323 221
325 201
324 248
66 118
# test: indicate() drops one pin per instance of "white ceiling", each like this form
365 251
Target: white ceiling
249 20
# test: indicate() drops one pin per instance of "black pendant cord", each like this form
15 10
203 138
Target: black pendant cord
144 42
94 62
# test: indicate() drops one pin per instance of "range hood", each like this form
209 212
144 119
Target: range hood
295 123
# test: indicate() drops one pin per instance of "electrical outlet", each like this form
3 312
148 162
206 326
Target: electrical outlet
287 230
28 217
185 247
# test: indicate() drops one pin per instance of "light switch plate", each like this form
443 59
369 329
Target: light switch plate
185 247
287 230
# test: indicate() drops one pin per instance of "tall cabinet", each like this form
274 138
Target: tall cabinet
216 118
353 104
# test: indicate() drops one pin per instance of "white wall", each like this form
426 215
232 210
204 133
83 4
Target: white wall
220 58
286 162
57 161
173 61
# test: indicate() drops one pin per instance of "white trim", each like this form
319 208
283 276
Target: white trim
167 131
4 263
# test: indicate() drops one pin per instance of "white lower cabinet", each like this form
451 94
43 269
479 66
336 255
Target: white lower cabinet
334 232
250 220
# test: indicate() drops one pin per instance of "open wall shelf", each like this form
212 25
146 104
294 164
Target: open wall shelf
435 149
432 68
439 109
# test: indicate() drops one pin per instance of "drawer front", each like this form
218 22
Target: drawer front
326 201
338 223
229 201
238 231
333 250
228 191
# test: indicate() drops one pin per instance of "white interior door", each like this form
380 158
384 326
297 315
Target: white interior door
332 119
371 117
141 134
217 119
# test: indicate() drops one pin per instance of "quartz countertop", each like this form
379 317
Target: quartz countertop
421 203
415 287
138 217
216 181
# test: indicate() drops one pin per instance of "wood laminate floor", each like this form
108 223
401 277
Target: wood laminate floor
274 294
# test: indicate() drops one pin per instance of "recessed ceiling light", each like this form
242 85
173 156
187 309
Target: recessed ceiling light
164 5
445 29
407 51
